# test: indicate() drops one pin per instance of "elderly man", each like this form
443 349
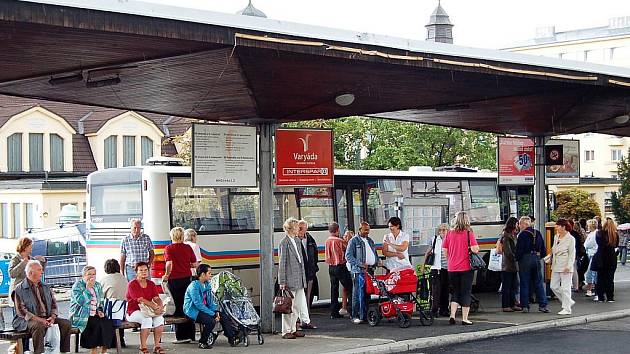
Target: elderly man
134 248
36 309
310 256
361 256
530 248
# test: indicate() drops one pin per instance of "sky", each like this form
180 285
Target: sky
478 23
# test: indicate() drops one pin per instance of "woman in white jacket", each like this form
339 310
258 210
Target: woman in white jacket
562 260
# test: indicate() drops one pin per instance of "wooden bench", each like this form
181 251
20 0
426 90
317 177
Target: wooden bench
15 337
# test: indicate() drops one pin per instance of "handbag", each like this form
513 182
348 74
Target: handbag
147 311
283 302
115 309
430 258
476 262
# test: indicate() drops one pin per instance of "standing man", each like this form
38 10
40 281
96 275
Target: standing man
361 257
530 248
310 256
336 260
134 248
36 309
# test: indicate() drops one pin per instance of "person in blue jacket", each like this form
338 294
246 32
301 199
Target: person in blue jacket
199 305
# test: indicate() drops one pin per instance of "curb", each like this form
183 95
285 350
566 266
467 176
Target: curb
458 338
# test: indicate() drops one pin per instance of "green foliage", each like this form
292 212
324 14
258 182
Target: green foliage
576 203
394 145
621 213
621 201
183 144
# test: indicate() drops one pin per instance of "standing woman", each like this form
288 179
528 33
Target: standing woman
17 266
439 274
562 264
509 267
180 258
607 240
291 277
459 272
591 248
86 312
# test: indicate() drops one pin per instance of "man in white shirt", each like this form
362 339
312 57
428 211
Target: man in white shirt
361 256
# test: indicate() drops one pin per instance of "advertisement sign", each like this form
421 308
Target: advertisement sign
223 155
569 171
304 157
516 161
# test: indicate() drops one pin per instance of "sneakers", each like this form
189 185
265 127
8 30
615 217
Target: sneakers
610 301
590 293
204 346
564 312
595 298
357 321
543 309
181 341
343 312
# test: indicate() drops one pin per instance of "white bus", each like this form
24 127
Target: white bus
227 219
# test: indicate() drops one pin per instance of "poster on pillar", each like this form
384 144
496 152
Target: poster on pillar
304 157
569 171
223 155
516 161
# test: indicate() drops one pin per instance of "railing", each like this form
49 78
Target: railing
64 271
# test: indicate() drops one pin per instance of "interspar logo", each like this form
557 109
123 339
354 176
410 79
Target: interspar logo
305 171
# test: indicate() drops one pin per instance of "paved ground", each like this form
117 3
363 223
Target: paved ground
340 334
598 337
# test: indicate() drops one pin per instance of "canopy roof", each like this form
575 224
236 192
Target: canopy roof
214 66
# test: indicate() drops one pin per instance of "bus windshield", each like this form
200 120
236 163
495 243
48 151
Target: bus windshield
115 202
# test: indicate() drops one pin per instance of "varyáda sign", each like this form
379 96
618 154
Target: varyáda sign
304 157
223 155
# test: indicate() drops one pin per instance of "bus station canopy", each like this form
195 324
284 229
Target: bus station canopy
233 68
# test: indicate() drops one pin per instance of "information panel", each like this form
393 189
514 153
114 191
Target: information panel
569 171
304 157
223 155
516 161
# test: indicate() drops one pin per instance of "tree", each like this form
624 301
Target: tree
576 203
621 201
183 144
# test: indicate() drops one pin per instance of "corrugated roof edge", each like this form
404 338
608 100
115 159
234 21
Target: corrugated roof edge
325 33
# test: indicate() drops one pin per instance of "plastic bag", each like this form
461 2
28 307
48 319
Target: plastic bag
496 260
52 340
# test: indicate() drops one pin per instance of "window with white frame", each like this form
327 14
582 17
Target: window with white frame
146 149
36 151
111 154
14 152
56 153
30 215
4 218
129 150
616 154
17 222
589 155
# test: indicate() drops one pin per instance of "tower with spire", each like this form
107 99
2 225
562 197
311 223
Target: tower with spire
250 10
439 28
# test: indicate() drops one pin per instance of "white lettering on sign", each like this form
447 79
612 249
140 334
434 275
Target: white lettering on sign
305 157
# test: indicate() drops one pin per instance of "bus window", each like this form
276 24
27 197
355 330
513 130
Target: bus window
342 210
484 201
316 205
357 207
116 202
382 196
202 209
244 211
285 207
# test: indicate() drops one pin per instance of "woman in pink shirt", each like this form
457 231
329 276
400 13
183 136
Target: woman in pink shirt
460 275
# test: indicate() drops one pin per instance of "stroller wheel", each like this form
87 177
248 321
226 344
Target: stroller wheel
261 339
373 317
404 319
213 338
246 340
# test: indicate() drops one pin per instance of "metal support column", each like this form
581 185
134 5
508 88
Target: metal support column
540 194
265 167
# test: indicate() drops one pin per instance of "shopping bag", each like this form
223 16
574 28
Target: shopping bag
52 340
496 260
167 300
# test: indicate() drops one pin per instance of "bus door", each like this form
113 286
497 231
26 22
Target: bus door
350 207
421 217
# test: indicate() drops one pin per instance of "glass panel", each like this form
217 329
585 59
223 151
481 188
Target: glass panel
484 201
111 158
36 151
357 207
285 206
342 210
14 152
146 149
316 205
202 209
129 150
118 202
56 153
29 216
382 196
17 222
4 209
245 212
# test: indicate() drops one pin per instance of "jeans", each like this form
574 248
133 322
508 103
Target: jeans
508 279
530 270
207 325
130 273
338 274
623 254
359 297
591 275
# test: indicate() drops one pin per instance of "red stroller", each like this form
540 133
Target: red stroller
396 292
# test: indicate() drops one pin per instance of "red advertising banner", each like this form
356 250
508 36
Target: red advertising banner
304 157
516 161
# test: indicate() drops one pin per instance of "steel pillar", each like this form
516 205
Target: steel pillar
540 194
